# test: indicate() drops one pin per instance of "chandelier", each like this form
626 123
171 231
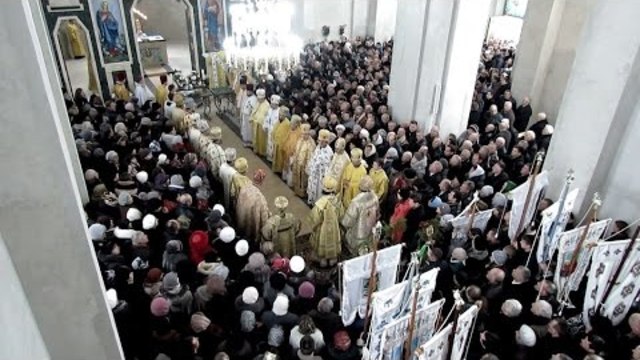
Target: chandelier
262 36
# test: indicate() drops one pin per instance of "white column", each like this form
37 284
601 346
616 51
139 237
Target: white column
419 57
465 44
599 106
549 99
385 26
537 40
41 213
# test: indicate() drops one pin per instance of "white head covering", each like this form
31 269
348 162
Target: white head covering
149 222
112 298
250 295
218 207
227 234
142 177
134 214
195 182
242 248
526 336
281 305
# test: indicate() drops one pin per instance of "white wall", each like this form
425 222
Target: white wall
19 334
166 18
318 13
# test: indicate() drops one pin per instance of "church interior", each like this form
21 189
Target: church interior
320 179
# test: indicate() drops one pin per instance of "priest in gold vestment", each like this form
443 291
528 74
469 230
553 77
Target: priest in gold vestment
280 135
351 176
257 122
282 229
290 148
340 159
324 218
304 149
380 179
252 210
360 218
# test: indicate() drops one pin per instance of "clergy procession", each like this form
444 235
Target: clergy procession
418 244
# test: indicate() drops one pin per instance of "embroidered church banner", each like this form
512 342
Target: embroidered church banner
625 290
355 279
519 196
567 243
547 242
394 334
437 347
464 330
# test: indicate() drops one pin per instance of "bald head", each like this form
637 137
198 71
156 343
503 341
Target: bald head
634 323
495 276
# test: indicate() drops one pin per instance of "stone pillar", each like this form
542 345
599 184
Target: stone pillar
599 106
385 25
42 220
465 45
554 85
435 60
419 57
537 40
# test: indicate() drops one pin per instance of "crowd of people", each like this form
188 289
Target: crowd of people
198 265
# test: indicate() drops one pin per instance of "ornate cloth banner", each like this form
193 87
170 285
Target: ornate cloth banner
567 244
607 256
547 245
355 280
394 302
624 291
461 223
395 333
463 331
519 196
437 347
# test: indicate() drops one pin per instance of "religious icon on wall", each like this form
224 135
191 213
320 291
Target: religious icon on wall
212 20
111 32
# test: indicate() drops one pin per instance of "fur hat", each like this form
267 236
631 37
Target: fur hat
199 322
160 306
281 305
306 290
250 295
176 182
459 255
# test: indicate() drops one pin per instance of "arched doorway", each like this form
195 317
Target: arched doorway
165 37
74 50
